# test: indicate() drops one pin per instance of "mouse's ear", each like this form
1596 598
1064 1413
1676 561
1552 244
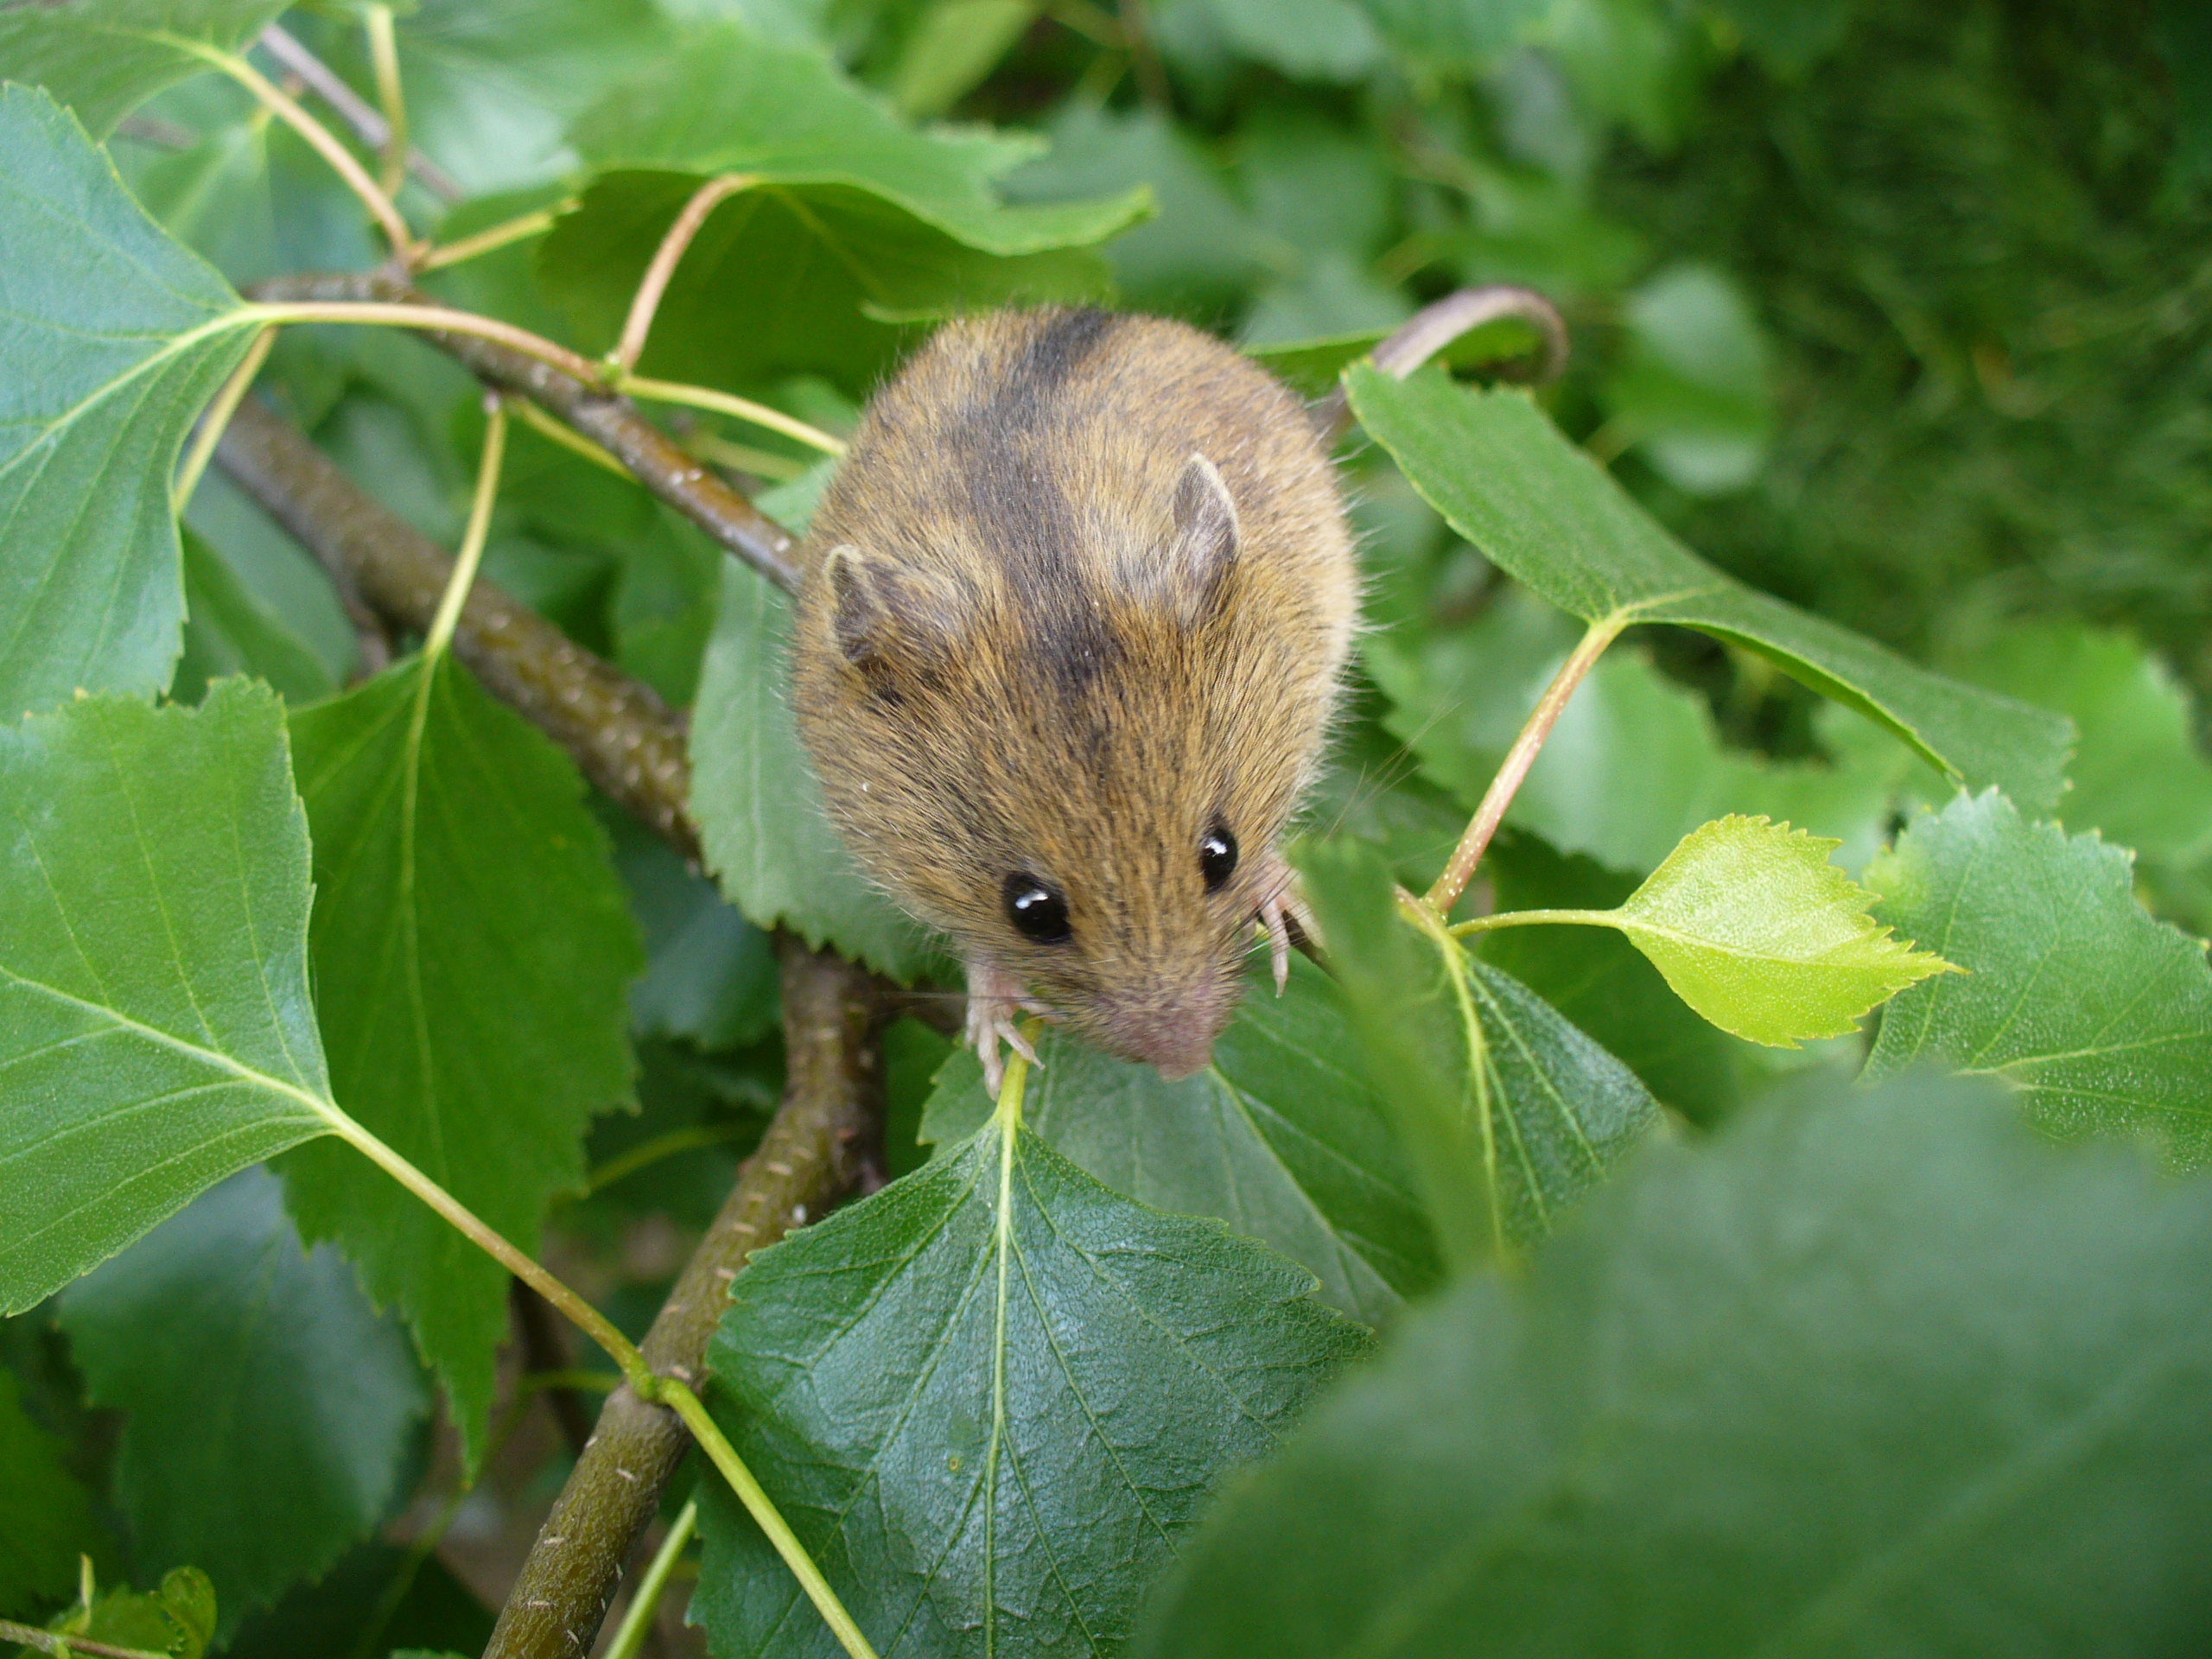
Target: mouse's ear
888 617
1202 549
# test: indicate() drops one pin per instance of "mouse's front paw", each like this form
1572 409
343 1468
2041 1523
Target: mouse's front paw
995 1002
1284 904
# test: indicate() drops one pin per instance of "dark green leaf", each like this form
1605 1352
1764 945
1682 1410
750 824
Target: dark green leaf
473 952
991 1400
1870 1373
228 631
755 799
1788 35
2099 1015
111 338
47 1518
711 975
1281 1137
337 1616
269 1412
156 1032
1456 35
855 223
954 45
1535 504
104 58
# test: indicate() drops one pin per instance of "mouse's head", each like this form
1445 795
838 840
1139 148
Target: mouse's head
1076 755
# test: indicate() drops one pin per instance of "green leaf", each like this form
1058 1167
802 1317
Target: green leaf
2138 774
711 975
954 45
48 1518
1452 34
1757 931
104 58
2099 1015
1603 984
1506 1110
1634 762
1869 1374
855 224
1311 39
178 1618
754 797
111 338
434 1612
1534 503
1692 391
269 1413
156 1029
473 951
228 631
991 1400
1281 1137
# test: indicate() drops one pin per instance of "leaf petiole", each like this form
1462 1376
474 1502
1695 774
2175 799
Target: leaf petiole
493 238
1532 919
646 302
630 1637
217 416
384 55
472 540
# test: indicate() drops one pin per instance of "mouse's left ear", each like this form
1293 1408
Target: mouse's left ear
888 618
1202 548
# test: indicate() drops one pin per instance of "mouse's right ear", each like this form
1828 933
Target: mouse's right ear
888 618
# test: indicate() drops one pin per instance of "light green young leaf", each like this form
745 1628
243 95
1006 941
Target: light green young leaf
177 1618
1541 509
2099 1015
111 339
104 58
2138 774
855 223
269 1413
473 951
1506 1110
1281 1137
1868 1373
992 1400
1757 931
47 1517
754 797
156 1032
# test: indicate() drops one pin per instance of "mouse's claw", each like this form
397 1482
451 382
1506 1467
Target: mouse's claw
1284 904
996 999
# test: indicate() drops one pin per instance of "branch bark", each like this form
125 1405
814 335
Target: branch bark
810 1153
612 422
620 733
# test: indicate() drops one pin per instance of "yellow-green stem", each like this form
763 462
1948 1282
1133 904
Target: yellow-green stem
217 416
1534 919
672 1393
491 238
645 1601
1522 755
723 403
387 314
383 55
646 302
53 1641
561 433
480 527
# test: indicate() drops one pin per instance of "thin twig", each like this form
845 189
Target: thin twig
368 126
646 302
30 1636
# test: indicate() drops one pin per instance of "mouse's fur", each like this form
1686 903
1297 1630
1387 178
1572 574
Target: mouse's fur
1082 587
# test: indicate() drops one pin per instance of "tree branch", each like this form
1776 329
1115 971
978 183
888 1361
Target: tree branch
613 423
809 1155
619 733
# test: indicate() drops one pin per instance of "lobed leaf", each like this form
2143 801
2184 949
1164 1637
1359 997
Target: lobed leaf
156 1032
473 951
1543 510
2099 1014
1874 1373
1757 931
991 1400
112 337
269 1413
1281 1137
853 222
104 58
755 799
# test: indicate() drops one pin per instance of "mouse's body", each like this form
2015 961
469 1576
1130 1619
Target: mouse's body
1077 607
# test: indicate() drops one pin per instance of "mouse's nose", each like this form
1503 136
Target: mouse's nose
1174 1033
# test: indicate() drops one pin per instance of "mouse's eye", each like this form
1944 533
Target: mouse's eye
1216 855
1036 911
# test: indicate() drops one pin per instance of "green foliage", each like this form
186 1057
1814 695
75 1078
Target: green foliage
2099 1015
109 344
1506 479
473 953
1281 1137
177 1618
992 1399
228 630
1757 931
48 1518
154 1021
1872 1373
104 58
284 1440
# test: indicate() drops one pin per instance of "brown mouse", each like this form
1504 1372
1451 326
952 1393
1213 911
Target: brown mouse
1077 605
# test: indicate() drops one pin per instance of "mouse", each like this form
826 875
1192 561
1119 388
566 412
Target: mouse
1069 642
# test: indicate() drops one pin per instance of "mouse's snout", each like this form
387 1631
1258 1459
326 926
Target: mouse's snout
1173 1031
